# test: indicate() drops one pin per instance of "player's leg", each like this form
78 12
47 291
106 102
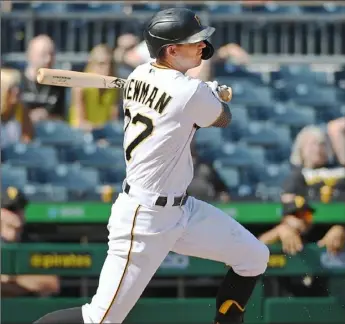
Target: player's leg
139 240
212 234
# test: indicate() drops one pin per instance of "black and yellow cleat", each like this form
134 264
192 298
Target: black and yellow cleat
230 312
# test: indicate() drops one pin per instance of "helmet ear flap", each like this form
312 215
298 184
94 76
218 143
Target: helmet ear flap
208 51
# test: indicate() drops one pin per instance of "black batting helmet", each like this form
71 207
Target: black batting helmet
177 26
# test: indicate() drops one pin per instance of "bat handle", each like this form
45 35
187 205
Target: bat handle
40 75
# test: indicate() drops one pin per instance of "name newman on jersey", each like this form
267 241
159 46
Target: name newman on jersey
146 94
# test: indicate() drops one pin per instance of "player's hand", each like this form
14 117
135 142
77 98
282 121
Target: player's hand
216 88
290 239
334 240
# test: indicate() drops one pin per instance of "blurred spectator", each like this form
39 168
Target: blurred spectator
6 6
42 101
206 183
140 54
315 173
125 43
13 203
297 219
336 133
15 122
315 177
90 107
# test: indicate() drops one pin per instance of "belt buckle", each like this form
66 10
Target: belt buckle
182 199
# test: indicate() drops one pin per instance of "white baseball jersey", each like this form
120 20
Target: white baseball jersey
162 107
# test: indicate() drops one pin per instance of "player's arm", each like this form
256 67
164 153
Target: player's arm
204 109
225 117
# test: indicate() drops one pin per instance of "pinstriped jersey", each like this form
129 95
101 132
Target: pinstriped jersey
162 107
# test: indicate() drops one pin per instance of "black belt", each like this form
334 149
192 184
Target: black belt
161 200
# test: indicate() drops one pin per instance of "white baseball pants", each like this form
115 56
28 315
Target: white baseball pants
141 237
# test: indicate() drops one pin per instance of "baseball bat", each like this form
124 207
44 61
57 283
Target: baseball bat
73 79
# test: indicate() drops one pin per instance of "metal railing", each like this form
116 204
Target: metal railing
292 38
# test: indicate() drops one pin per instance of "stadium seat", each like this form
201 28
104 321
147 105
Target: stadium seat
208 137
230 70
229 175
272 8
233 155
45 193
217 7
112 176
20 6
329 7
15 176
265 192
72 177
339 78
307 95
95 155
59 133
30 155
280 153
260 112
246 92
258 154
273 175
235 131
297 73
113 132
146 7
208 143
98 193
44 6
325 113
259 133
239 115
289 115
94 7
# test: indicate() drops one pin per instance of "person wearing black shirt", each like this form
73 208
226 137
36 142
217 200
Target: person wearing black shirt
13 204
315 177
206 184
42 101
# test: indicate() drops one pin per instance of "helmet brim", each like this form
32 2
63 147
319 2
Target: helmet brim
204 34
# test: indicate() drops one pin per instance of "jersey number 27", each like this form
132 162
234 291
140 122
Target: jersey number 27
142 136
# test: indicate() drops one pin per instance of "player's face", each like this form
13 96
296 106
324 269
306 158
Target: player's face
190 54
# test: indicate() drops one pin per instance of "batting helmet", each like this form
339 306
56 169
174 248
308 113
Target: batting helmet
177 26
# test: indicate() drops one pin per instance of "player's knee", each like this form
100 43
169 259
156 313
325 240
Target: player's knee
262 253
256 259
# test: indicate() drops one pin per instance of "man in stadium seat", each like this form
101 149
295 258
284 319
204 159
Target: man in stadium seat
13 203
43 101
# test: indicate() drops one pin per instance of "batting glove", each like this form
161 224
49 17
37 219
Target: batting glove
216 88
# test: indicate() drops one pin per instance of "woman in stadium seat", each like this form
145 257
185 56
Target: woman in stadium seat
15 122
314 176
91 108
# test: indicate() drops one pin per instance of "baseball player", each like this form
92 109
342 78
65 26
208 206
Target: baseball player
153 215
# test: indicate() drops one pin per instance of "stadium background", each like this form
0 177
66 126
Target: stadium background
294 78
